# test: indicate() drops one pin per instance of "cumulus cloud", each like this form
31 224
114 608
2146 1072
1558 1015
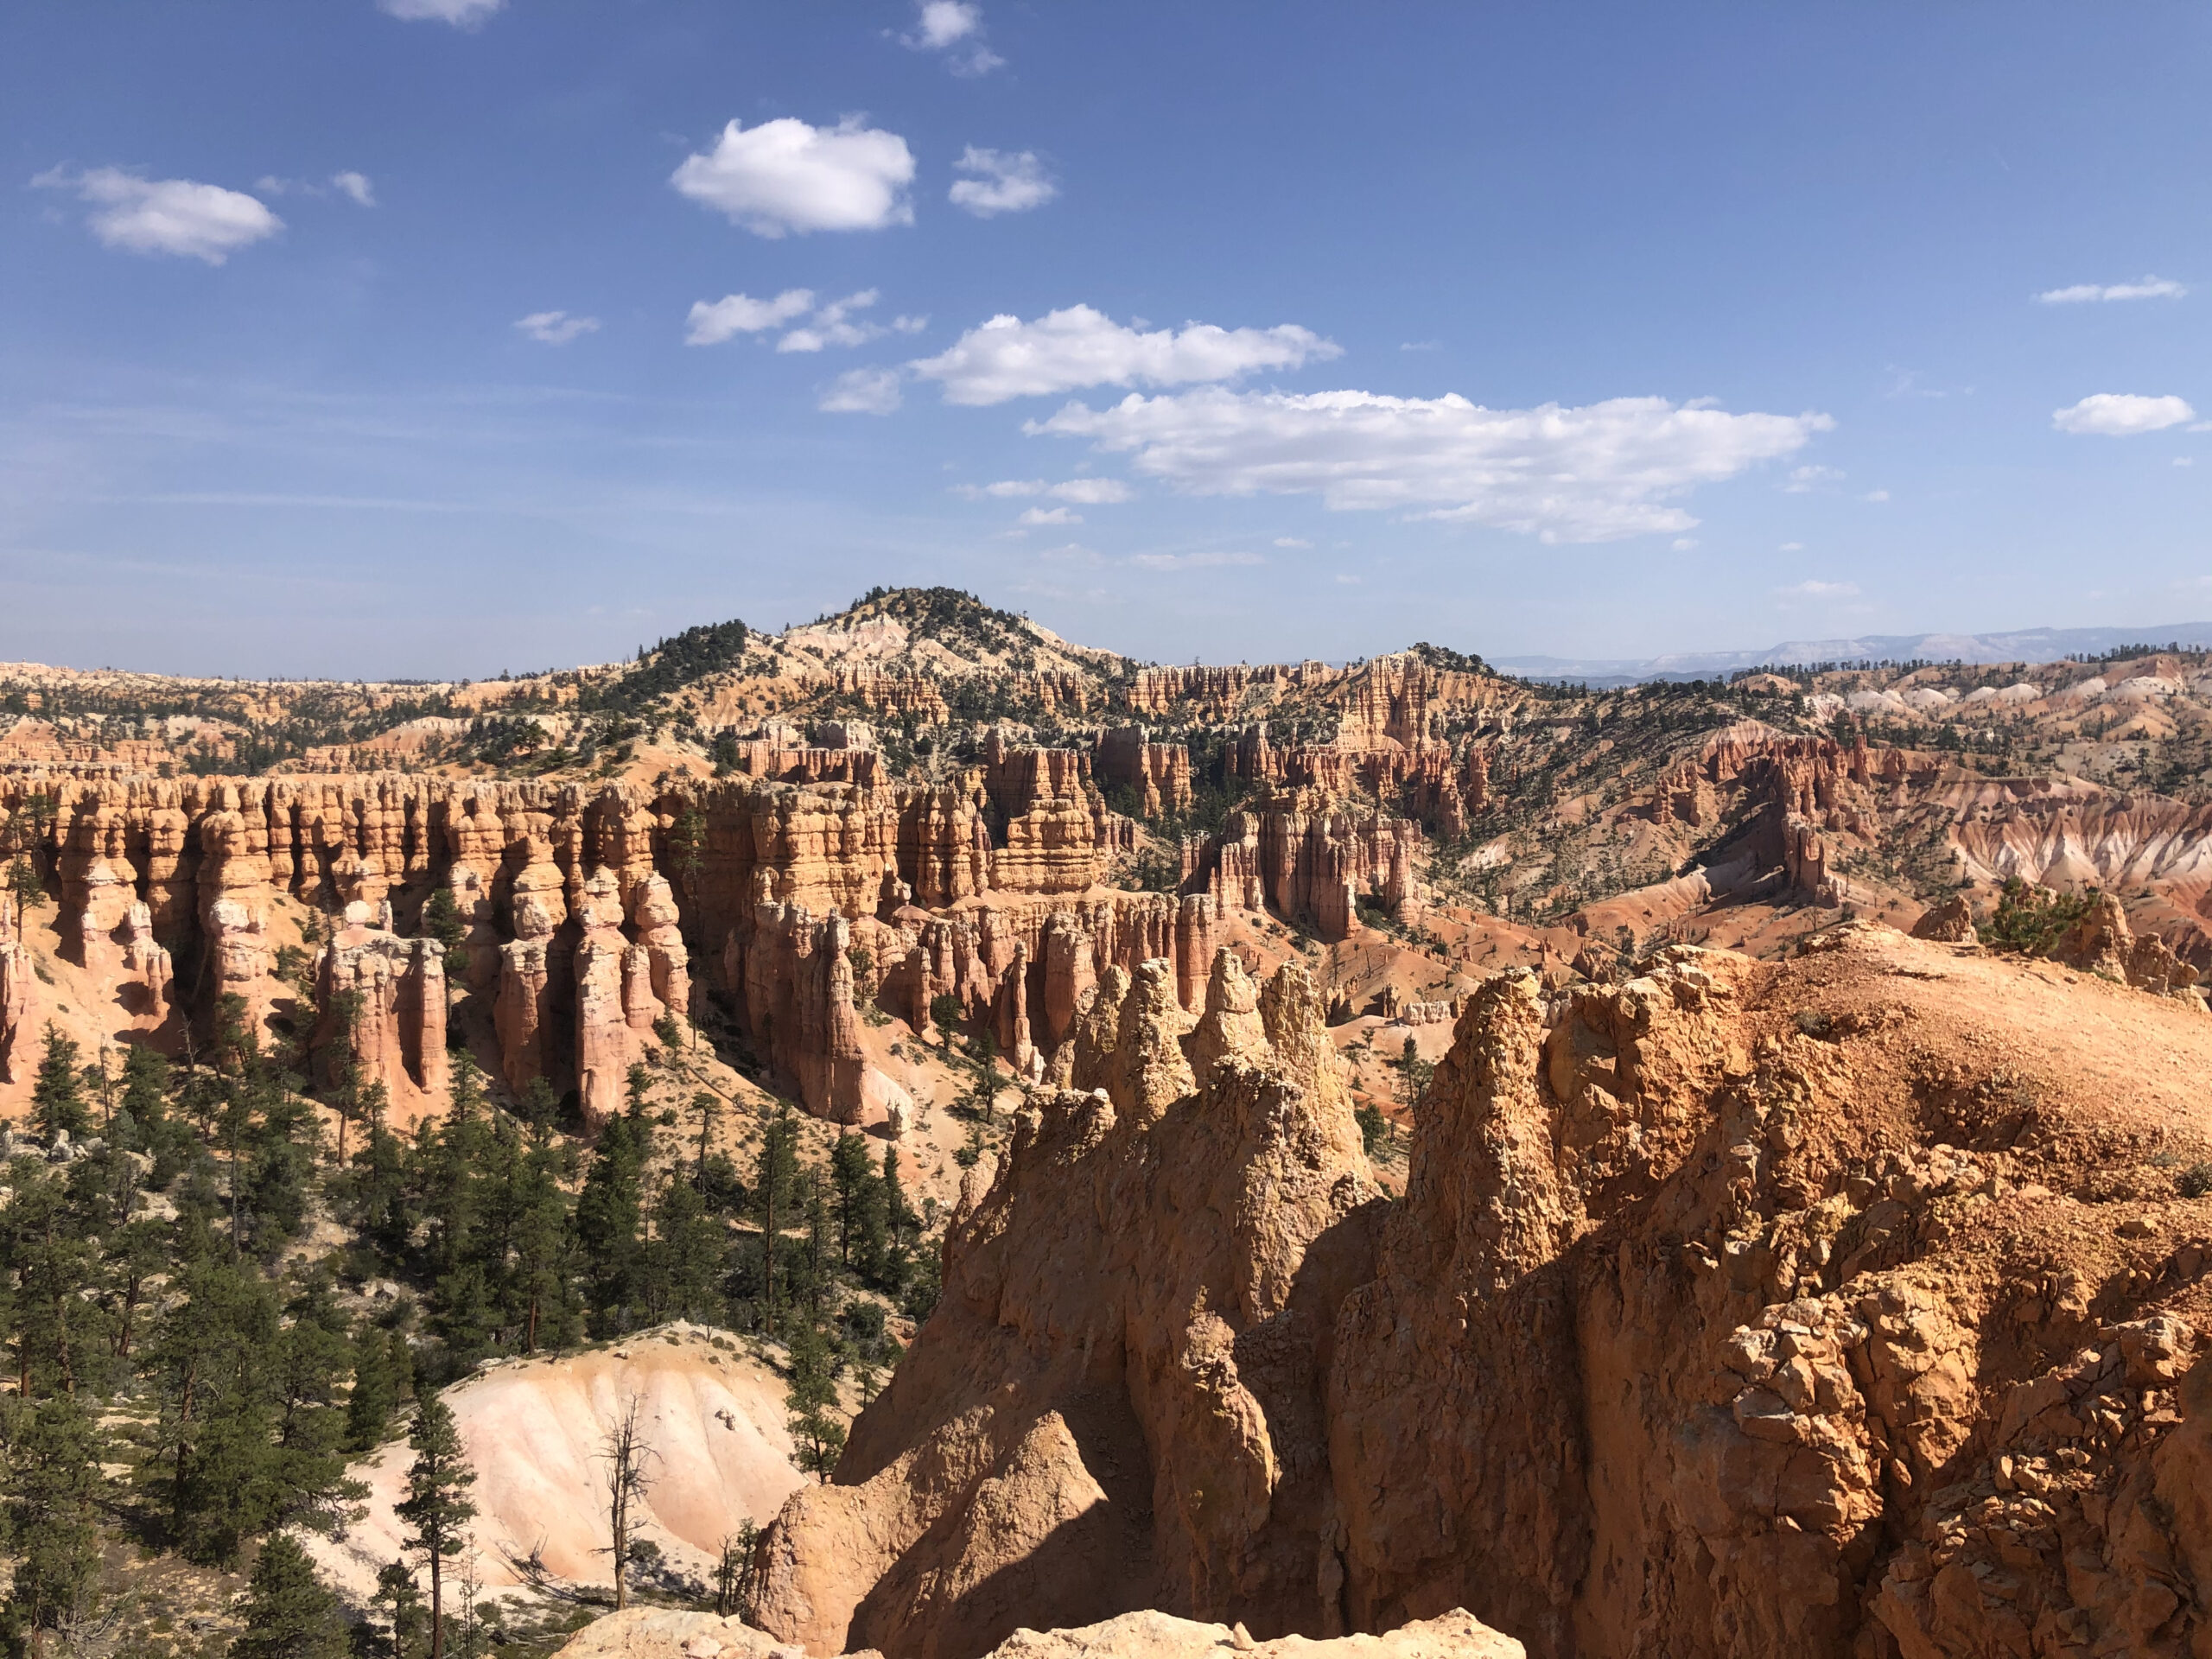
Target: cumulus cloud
178 216
1001 181
784 176
462 13
1684 543
1049 516
1876 495
713 322
1064 350
556 327
2122 415
357 185
1817 590
1192 561
862 391
2151 288
1292 541
1803 480
833 325
1588 475
956 29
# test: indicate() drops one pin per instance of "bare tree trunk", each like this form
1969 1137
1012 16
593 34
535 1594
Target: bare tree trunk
625 1454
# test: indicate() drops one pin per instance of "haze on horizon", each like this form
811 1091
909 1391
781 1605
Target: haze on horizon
435 337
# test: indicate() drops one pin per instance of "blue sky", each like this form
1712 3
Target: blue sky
340 340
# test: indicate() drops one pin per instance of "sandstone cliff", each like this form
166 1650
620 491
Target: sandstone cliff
1107 1407
1827 1307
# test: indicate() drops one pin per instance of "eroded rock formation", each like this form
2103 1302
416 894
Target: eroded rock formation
1081 1427
1732 1309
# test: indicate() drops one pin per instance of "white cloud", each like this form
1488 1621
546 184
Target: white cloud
2122 415
1876 495
355 185
462 13
833 325
711 322
1348 581
943 23
785 176
956 29
2184 460
1420 345
1684 543
1292 541
2151 288
1192 561
1817 590
1805 478
1588 475
1091 491
1064 350
556 328
1084 491
862 391
1001 181
179 216
1049 516
1791 546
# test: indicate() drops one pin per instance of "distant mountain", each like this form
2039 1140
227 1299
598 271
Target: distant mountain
2028 645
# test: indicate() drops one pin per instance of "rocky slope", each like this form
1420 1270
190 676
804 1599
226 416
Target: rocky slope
1845 1305
712 1416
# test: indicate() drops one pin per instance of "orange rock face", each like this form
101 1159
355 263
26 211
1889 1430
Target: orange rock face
1803 1333
1132 1438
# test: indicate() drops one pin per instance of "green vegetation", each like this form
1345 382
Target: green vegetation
2031 920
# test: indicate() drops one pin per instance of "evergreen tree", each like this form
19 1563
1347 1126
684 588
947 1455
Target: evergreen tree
403 1617
775 1194
811 1399
24 885
53 1472
375 1396
851 1175
442 921
684 1259
289 1614
537 1293
609 1214
436 1507
58 1092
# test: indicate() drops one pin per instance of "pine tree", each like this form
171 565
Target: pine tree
442 921
58 1093
289 1614
375 1395
145 1088
686 1258
402 1605
609 1214
52 1471
850 1174
811 1399
774 1195
436 1508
